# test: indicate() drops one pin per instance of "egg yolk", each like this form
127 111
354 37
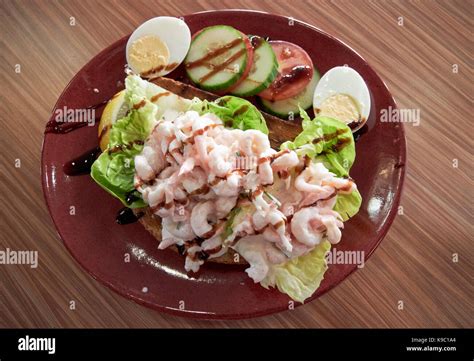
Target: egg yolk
148 55
342 107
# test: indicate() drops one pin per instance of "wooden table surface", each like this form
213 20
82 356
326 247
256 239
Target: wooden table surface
421 50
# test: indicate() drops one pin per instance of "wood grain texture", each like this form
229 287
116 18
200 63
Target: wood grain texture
414 262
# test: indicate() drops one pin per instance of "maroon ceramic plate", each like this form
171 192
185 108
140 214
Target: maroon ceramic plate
157 278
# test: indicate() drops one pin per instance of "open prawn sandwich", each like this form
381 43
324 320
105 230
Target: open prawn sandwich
219 181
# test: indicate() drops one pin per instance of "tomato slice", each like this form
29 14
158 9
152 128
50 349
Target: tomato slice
295 71
248 66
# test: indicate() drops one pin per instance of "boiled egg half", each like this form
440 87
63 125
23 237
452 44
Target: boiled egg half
158 46
343 94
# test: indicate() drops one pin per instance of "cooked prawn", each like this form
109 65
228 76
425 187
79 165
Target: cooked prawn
202 215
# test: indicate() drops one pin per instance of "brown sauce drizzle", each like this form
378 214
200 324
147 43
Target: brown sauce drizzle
201 190
201 131
263 160
256 41
341 143
256 192
214 250
332 195
346 188
205 254
295 74
139 105
155 208
239 171
299 169
127 216
131 197
241 110
355 123
330 136
212 232
155 97
272 157
181 249
216 181
122 147
160 68
213 54
279 224
279 153
222 66
359 133
82 164
62 128
283 174
202 255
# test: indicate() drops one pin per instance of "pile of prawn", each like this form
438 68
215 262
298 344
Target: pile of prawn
193 172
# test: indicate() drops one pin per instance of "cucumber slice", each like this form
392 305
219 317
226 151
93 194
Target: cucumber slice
264 69
284 108
217 57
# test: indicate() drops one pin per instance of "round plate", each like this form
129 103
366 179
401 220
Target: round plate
126 258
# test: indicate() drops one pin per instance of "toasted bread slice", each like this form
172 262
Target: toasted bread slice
280 131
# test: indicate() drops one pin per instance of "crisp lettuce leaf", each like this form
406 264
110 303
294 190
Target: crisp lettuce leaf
347 205
338 146
235 218
300 277
303 143
135 126
229 223
137 89
114 169
235 112
327 140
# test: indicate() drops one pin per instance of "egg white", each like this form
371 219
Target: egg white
343 80
172 31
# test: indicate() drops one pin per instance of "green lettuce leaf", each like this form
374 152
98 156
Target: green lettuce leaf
338 146
115 168
137 89
300 277
135 126
235 112
228 229
327 140
115 171
347 205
